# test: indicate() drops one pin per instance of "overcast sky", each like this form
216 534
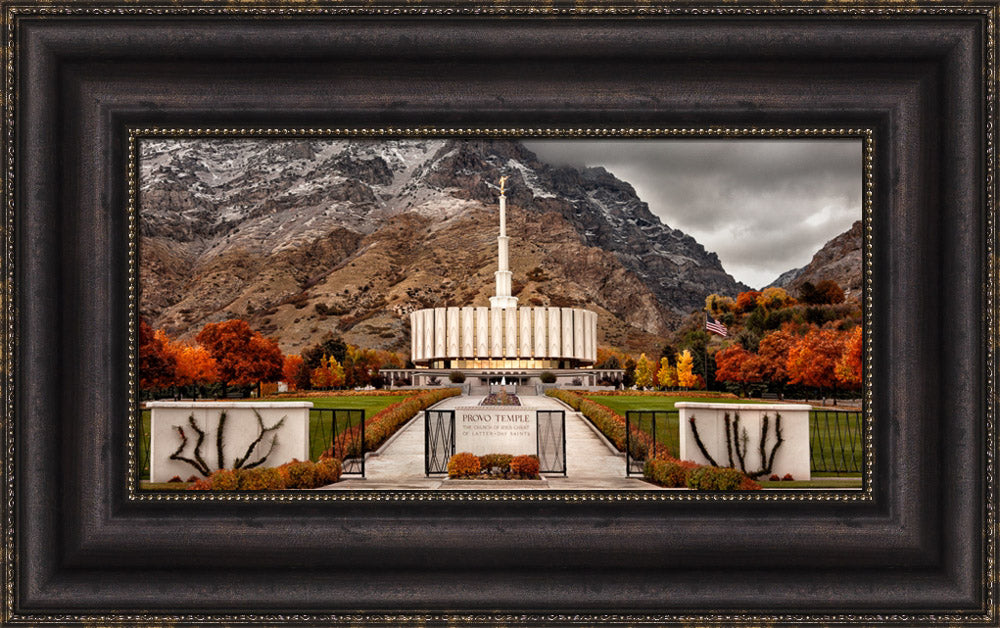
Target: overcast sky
764 206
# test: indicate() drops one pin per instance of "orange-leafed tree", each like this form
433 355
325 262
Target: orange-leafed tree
157 365
321 377
737 365
290 368
813 359
244 356
773 352
195 365
848 367
718 305
685 370
746 301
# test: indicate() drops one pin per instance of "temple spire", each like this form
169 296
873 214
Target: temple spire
503 297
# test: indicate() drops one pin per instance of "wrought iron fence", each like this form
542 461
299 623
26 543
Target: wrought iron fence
836 442
646 434
345 429
551 434
439 440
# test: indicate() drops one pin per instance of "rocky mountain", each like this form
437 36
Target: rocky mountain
302 237
839 260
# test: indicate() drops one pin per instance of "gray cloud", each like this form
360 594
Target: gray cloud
765 206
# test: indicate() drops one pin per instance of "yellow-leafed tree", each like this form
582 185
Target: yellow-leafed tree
685 367
667 375
643 372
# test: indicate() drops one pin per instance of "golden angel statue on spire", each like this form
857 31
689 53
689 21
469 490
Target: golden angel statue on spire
502 181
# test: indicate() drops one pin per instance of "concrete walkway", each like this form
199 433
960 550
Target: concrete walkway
591 463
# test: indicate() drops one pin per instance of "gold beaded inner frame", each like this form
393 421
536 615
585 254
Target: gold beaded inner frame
865 135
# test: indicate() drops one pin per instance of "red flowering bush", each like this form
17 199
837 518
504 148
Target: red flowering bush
463 465
788 477
202 484
525 467
749 484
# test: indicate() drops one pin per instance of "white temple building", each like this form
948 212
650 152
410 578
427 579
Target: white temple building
503 342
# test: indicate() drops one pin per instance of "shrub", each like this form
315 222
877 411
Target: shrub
525 466
250 480
547 377
224 480
749 484
328 471
193 478
715 479
456 377
299 474
500 461
463 465
201 484
176 478
774 477
788 477
669 472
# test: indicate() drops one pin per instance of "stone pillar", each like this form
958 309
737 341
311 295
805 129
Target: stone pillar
482 332
541 347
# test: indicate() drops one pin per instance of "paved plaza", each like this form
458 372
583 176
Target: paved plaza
591 463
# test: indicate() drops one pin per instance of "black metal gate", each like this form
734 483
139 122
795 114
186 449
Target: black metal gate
551 433
344 428
642 427
439 440
836 440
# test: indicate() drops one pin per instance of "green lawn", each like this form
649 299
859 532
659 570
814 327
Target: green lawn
320 432
834 437
320 423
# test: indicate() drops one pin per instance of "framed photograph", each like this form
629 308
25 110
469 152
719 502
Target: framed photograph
418 313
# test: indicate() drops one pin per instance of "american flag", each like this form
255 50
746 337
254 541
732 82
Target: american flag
716 327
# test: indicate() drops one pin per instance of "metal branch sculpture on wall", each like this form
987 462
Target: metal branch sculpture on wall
736 442
198 462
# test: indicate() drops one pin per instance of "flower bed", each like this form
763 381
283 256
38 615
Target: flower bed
291 475
380 426
501 399
466 466
611 424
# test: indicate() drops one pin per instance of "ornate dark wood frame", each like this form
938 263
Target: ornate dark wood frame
79 548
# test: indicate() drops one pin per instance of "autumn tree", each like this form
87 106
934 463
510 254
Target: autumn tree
718 305
666 377
157 365
774 298
244 356
773 351
360 366
290 368
813 358
746 301
643 372
825 292
848 367
738 366
320 377
329 345
685 370
195 366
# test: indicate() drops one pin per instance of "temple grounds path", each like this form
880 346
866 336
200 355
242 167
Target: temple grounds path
591 464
